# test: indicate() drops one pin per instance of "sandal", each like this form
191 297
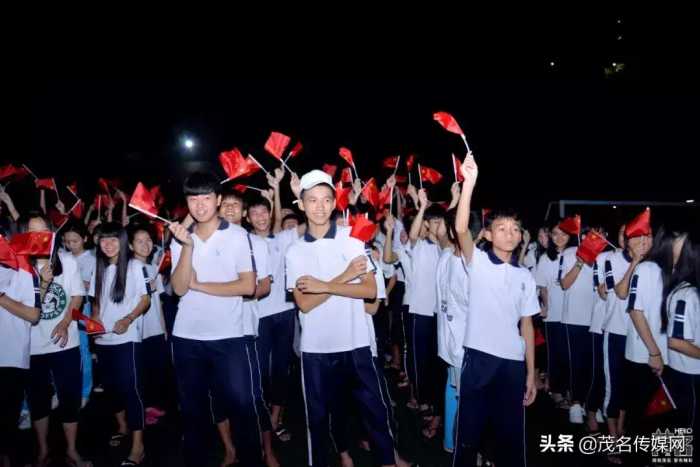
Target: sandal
282 434
130 463
116 439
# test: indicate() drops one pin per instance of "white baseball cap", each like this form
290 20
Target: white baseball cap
315 177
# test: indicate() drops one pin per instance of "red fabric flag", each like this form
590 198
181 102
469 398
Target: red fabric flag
457 168
91 326
240 188
103 184
165 262
233 163
7 255
571 225
346 175
347 156
73 188
539 337
276 144
363 229
410 161
660 403
342 197
103 201
250 167
390 162
401 178
32 243
430 175
591 247
78 209
157 195
57 219
448 122
385 196
330 169
640 225
295 150
45 183
142 201
159 229
371 193
11 171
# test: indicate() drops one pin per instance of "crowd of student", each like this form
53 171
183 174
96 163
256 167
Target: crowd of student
449 303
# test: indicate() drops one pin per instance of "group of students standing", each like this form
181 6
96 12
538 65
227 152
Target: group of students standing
453 313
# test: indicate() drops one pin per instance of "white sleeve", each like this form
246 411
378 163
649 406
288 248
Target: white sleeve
24 288
293 269
77 287
175 251
262 259
159 284
240 253
140 279
542 271
530 305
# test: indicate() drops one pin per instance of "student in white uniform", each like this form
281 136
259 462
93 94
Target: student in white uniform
498 370
212 271
646 348
327 273
579 299
55 347
683 310
75 237
121 298
424 364
20 307
453 299
154 344
619 268
548 277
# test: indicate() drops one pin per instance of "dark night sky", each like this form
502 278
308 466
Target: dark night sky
537 139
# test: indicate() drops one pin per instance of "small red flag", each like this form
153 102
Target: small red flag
371 193
276 144
250 167
233 163
91 326
7 171
142 201
330 169
45 183
457 165
363 229
401 178
295 150
73 188
57 219
78 209
571 225
390 162
7 255
430 175
342 196
347 156
410 161
385 196
32 243
103 184
346 175
661 402
448 122
240 187
591 247
640 225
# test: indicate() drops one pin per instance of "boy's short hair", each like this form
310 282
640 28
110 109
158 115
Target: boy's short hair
292 217
259 201
496 214
434 211
201 183
233 194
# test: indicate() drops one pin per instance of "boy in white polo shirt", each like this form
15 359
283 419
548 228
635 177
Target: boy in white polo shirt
329 284
212 271
496 384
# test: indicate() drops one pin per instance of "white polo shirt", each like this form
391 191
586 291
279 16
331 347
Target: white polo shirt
153 324
111 312
683 307
54 307
404 270
339 324
396 246
616 316
260 258
646 295
219 259
277 302
579 299
530 260
499 295
86 264
547 276
381 295
453 296
424 258
15 333
599 305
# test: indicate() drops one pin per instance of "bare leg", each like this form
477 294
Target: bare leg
270 458
70 430
121 422
137 449
346 460
229 449
592 422
41 427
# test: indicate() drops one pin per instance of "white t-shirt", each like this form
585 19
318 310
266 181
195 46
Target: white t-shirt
547 276
381 295
396 246
86 264
153 324
15 333
404 269
530 259
499 295
111 312
219 259
277 302
616 316
453 296
579 299
683 308
260 259
646 295
339 324
55 306
424 257
599 305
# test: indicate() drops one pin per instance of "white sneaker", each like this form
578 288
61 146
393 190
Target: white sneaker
98 389
84 402
54 402
576 414
599 417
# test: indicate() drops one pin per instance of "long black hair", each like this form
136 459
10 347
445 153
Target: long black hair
552 252
112 230
132 230
55 263
539 249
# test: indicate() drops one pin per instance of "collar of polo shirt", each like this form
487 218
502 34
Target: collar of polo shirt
329 234
223 225
626 255
496 260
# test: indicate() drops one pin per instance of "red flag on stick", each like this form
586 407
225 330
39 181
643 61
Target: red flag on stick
390 162
142 201
591 247
330 169
661 403
342 196
45 184
363 229
571 225
448 122
371 193
276 144
32 243
346 175
457 167
640 225
430 175
8 257
347 156
91 326
166 261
